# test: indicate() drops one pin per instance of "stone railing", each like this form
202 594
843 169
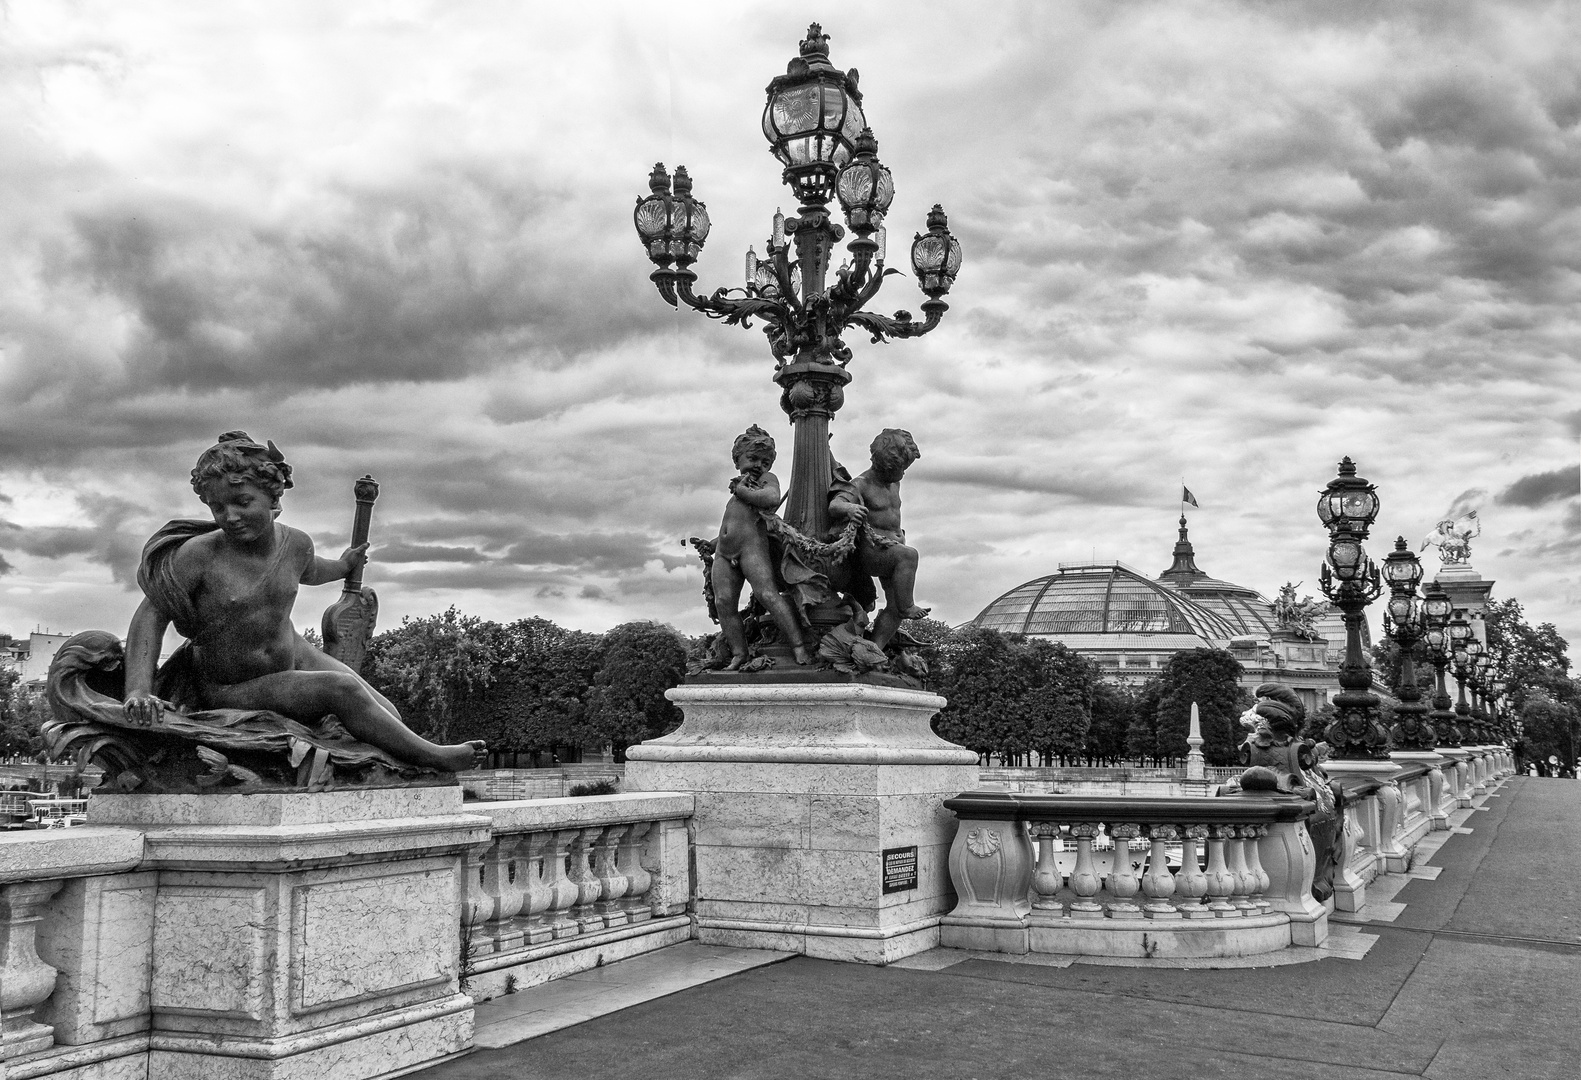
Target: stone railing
94 985
1181 876
570 884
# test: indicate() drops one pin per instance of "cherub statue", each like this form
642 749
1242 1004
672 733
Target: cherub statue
1279 759
228 586
1453 538
742 555
873 501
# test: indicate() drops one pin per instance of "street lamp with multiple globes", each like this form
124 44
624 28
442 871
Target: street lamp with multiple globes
1405 620
816 127
1351 581
1436 609
1460 656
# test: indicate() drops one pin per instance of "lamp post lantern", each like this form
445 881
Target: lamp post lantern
1405 620
1436 610
817 129
1460 639
1347 507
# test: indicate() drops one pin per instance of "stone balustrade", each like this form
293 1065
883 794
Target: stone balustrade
1129 876
569 884
97 925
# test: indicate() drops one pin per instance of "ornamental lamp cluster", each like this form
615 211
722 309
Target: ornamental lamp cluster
1406 621
816 127
1437 608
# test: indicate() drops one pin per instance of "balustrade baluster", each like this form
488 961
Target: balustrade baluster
629 859
1084 880
1254 864
25 980
612 884
562 889
580 871
1046 879
508 889
1123 882
1191 884
1235 858
1221 883
477 905
540 897
1158 883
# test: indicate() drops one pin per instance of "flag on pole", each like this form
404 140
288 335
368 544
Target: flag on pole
1186 496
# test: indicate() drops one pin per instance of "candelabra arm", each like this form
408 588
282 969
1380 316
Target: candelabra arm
733 310
899 325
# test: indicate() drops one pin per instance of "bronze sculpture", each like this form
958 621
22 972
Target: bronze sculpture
872 501
245 685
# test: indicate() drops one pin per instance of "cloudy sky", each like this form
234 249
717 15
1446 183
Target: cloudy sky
1217 243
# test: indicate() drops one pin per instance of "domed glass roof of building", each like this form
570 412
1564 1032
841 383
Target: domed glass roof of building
1102 598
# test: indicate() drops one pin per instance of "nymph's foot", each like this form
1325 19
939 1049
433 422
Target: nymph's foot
915 612
803 657
736 661
463 756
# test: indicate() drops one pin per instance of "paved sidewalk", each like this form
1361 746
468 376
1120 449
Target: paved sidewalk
1476 976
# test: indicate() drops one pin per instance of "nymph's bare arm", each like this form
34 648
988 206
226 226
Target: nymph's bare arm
321 571
842 507
143 639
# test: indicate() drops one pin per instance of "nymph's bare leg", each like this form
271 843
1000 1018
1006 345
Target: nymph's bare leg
308 696
896 569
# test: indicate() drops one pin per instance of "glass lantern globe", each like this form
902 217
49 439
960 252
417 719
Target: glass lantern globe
812 119
1459 632
1346 557
672 225
1403 610
1401 568
1437 605
1349 503
1436 638
936 255
865 186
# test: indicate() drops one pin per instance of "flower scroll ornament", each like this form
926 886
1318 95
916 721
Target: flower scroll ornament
982 842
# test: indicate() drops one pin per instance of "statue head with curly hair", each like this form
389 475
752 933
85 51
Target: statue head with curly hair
893 451
753 439
236 460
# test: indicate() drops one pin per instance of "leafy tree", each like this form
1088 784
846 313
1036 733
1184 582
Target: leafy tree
21 714
1058 703
626 704
430 667
1211 679
1141 737
1550 728
1113 710
979 677
538 697
1528 659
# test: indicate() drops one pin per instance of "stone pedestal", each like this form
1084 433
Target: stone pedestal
820 825
303 934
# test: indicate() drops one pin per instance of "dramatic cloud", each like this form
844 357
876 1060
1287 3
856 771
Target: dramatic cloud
1540 488
1216 243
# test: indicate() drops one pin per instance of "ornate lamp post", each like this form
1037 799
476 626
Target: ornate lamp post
1459 638
1405 621
815 126
1436 609
1348 507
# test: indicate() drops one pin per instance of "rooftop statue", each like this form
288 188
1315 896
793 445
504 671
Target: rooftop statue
1452 537
1297 616
245 703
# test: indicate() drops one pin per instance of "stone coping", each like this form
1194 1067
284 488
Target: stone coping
1138 809
1411 770
782 693
272 808
1357 787
81 851
536 815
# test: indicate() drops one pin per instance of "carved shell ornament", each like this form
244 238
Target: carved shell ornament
982 842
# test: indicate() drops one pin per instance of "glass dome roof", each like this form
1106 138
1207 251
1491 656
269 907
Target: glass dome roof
1104 598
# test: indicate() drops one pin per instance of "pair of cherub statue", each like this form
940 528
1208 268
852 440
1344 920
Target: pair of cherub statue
756 547
246 702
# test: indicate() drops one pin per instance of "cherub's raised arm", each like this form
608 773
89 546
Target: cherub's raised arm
765 495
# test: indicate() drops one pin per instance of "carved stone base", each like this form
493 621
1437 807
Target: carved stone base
303 935
801 790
